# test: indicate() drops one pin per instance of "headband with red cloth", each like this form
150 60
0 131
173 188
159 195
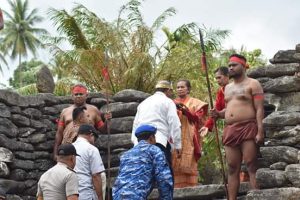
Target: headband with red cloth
79 89
239 60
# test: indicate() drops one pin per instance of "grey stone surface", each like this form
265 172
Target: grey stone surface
274 71
121 125
26 131
6 155
4 170
12 187
298 48
287 193
130 95
20 120
32 113
14 145
99 102
23 164
293 174
37 124
50 111
278 166
18 175
5 111
286 137
282 118
282 84
120 109
47 146
43 164
24 155
290 102
8 128
122 140
285 56
45 82
267 178
280 154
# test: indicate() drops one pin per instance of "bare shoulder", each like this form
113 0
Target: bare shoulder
255 86
91 107
67 110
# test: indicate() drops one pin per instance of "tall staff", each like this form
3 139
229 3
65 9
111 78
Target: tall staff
105 75
204 65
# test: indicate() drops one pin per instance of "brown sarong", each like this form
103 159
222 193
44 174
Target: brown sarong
235 134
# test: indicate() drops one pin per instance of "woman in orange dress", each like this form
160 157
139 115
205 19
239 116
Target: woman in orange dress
192 113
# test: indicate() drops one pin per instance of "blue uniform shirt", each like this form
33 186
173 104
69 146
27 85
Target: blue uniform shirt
140 168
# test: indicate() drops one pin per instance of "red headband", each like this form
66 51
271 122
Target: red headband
79 89
239 60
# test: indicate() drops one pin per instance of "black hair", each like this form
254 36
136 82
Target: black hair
145 136
77 111
223 70
187 83
239 56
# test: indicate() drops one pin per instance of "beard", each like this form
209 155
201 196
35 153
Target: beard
234 74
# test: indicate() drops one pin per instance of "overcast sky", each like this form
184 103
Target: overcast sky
270 25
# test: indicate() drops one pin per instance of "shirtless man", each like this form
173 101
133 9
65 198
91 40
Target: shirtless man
92 114
244 129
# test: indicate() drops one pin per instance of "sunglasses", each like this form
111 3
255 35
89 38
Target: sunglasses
78 94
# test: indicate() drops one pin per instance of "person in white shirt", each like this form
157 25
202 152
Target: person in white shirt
160 111
89 165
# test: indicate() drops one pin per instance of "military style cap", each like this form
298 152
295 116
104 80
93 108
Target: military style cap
67 150
145 129
86 129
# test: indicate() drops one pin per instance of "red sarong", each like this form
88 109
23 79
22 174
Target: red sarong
235 134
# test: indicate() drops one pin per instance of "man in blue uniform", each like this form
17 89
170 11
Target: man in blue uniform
141 167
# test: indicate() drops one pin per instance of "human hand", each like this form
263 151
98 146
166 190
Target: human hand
203 131
107 115
259 139
214 113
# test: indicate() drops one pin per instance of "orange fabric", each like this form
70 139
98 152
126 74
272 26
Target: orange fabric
186 168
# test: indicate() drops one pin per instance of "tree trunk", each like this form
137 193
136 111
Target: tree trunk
20 71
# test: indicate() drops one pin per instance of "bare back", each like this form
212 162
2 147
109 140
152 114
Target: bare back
239 100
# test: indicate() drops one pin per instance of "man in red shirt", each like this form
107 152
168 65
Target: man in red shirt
222 77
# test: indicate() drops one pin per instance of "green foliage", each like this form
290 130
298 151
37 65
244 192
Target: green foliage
210 168
20 35
128 48
255 58
63 87
27 71
28 90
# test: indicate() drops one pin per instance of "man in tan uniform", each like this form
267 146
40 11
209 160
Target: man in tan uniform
244 129
60 182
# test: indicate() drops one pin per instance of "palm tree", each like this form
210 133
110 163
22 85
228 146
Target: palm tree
20 35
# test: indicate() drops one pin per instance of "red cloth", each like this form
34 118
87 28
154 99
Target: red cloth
219 105
235 134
